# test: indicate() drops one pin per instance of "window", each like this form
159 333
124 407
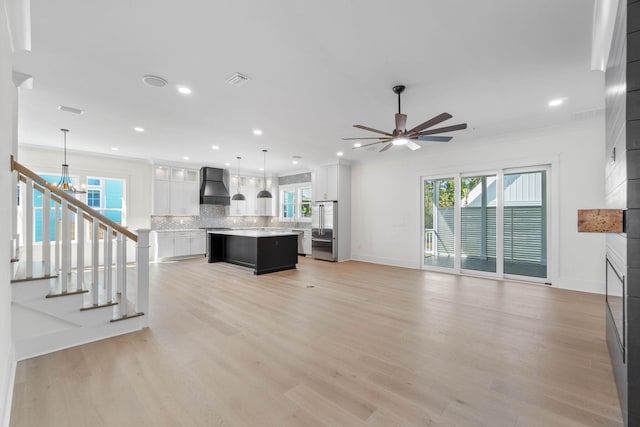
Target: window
295 202
38 214
494 223
106 196
289 204
305 202
93 198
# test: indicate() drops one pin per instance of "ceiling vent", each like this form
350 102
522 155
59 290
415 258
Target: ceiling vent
237 79
70 109
154 81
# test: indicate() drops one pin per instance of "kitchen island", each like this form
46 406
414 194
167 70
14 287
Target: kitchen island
264 251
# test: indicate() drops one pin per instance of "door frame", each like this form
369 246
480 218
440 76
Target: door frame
550 166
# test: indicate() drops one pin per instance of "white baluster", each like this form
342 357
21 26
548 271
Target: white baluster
123 292
46 231
95 251
66 242
119 263
142 264
108 254
57 234
80 250
28 244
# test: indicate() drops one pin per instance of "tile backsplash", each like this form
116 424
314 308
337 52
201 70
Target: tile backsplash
213 216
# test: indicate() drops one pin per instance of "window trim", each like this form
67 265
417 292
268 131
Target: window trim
297 210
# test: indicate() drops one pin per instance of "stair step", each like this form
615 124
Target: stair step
37 269
65 294
93 307
127 316
31 279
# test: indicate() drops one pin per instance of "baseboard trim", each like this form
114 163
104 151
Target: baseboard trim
6 413
384 261
567 283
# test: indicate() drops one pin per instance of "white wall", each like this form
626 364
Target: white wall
137 174
8 111
386 195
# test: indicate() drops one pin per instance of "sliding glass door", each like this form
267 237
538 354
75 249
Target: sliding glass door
439 225
478 223
491 224
525 224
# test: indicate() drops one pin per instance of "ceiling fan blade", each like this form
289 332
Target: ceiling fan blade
413 146
358 139
386 147
435 138
401 122
441 130
373 143
431 122
372 130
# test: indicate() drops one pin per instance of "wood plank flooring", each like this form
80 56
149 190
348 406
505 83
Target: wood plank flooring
349 344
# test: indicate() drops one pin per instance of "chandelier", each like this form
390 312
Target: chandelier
65 183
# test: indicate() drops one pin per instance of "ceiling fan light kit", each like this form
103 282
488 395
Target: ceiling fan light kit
401 136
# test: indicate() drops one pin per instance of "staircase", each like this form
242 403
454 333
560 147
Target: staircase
80 286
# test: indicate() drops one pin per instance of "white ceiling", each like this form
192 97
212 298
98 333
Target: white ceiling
316 68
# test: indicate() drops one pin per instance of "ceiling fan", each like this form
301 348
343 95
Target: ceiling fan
401 136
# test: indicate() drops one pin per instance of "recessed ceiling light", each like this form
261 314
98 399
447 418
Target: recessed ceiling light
340 153
295 162
357 145
115 148
257 132
556 102
227 164
261 169
138 129
154 81
184 90
186 157
215 147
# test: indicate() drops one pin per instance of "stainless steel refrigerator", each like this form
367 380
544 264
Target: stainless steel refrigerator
324 231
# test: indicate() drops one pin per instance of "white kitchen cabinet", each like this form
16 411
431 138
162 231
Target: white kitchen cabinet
250 186
178 243
325 181
181 243
163 244
197 243
176 191
306 243
161 197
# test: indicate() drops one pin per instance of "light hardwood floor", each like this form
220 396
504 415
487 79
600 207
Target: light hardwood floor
349 344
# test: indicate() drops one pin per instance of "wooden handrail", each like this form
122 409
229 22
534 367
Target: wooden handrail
62 195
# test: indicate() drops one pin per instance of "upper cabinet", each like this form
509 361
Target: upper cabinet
176 191
250 186
326 182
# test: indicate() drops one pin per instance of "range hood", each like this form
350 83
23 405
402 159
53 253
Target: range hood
212 188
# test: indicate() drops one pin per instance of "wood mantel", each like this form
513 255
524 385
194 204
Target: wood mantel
601 220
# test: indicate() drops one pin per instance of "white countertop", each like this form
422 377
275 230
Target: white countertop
253 233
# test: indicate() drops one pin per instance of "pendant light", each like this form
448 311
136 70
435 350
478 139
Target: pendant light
65 183
238 195
264 194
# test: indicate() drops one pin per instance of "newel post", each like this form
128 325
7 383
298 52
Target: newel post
142 263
